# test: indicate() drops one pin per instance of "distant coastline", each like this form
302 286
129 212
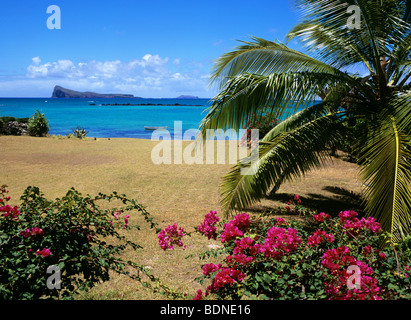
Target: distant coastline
64 93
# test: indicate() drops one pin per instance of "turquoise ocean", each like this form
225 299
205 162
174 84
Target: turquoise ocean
109 121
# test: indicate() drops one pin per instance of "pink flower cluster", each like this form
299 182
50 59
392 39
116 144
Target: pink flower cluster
117 216
280 241
126 221
208 227
318 237
321 217
337 261
244 252
227 276
44 252
10 212
353 224
235 227
210 268
32 233
171 236
199 295
224 277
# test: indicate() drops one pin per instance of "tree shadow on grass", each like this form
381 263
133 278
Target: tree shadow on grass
340 199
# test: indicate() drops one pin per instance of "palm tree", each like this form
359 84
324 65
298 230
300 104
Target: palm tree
268 77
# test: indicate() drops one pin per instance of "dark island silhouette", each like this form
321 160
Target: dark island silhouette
60 92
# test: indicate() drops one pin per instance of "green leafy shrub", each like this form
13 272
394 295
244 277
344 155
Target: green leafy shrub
80 132
38 125
72 235
266 257
8 118
22 120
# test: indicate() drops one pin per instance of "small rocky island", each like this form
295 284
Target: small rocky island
60 92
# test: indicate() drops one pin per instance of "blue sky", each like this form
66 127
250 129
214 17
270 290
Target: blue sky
146 48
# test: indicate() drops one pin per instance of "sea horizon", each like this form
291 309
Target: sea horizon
102 118
113 117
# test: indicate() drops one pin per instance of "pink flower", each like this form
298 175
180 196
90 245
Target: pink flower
210 268
371 224
280 241
230 232
10 212
126 221
280 221
318 237
337 261
245 251
356 225
367 250
199 295
208 227
171 236
235 227
296 197
44 253
347 215
321 217
242 221
226 277
33 232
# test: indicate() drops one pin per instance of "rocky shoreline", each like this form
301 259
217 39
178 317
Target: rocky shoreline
13 128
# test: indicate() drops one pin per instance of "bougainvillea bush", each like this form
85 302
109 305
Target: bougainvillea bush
73 236
319 257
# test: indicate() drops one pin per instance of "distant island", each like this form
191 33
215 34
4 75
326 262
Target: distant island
60 92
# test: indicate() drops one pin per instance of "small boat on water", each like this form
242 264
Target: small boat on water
154 128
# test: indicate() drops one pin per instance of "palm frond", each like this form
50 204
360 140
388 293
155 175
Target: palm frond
264 57
283 155
280 94
386 172
384 25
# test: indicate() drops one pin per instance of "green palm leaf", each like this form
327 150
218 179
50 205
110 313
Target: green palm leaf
263 57
283 155
279 94
386 171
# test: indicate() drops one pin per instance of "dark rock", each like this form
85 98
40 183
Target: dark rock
14 128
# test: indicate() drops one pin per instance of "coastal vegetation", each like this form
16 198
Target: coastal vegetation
38 125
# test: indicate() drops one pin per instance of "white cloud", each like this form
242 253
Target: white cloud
150 76
36 60
61 68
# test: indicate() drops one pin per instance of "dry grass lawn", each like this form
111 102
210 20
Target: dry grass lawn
171 193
